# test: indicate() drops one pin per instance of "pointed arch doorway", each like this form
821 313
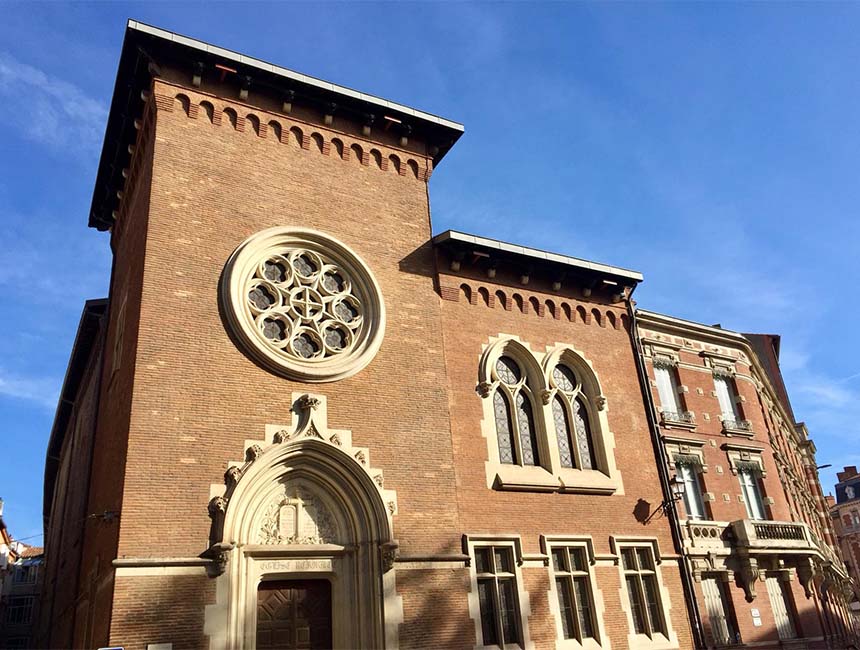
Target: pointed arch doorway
306 528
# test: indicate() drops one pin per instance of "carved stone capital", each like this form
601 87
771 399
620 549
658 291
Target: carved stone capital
219 554
232 476
748 575
806 575
601 402
546 396
217 506
484 389
388 553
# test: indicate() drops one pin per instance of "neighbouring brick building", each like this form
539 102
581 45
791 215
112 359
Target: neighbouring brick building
845 514
756 529
301 421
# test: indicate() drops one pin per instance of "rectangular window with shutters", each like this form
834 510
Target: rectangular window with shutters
643 591
667 388
720 613
495 571
688 472
783 613
749 480
572 582
726 396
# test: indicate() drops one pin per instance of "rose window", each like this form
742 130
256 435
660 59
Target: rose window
308 307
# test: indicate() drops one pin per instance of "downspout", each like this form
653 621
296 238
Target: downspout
663 471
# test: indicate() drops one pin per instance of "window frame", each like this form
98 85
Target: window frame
26 607
753 485
695 471
511 545
585 546
660 639
549 475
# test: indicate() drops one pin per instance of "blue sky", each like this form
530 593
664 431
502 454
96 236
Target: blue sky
714 147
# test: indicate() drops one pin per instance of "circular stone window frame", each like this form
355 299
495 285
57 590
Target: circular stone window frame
239 271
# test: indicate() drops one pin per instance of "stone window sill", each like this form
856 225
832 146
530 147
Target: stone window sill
643 642
539 479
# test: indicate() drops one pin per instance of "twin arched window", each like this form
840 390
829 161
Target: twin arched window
515 401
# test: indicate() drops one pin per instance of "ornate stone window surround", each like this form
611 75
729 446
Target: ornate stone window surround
302 304
585 542
514 543
549 476
637 641
692 449
304 504
739 454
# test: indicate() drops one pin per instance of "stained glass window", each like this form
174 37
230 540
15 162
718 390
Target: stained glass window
274 271
562 432
508 371
584 442
528 440
564 379
504 431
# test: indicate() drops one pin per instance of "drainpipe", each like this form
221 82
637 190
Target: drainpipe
663 471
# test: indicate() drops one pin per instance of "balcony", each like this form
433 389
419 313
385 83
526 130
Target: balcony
782 536
683 419
732 427
704 536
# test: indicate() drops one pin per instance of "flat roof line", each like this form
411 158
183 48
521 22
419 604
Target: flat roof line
537 254
289 74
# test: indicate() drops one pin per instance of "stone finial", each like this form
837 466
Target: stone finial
307 402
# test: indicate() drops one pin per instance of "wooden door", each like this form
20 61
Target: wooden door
294 615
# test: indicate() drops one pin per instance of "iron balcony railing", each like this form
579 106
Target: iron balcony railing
677 417
730 424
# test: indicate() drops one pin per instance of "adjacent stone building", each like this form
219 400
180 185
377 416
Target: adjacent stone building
301 421
20 589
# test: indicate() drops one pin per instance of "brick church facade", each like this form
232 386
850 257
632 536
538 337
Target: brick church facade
300 420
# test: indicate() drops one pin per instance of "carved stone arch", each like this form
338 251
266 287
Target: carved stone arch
595 404
510 466
306 504
511 346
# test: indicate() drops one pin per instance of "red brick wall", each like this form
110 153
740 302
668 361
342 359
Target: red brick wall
469 321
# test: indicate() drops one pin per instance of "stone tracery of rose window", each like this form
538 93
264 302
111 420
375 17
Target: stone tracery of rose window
303 305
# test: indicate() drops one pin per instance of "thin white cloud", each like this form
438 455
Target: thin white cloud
49 110
41 390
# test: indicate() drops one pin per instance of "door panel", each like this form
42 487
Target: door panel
294 615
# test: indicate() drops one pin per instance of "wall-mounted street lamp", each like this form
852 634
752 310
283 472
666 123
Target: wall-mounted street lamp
677 487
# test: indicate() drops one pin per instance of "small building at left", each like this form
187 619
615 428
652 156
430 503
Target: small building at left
20 586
